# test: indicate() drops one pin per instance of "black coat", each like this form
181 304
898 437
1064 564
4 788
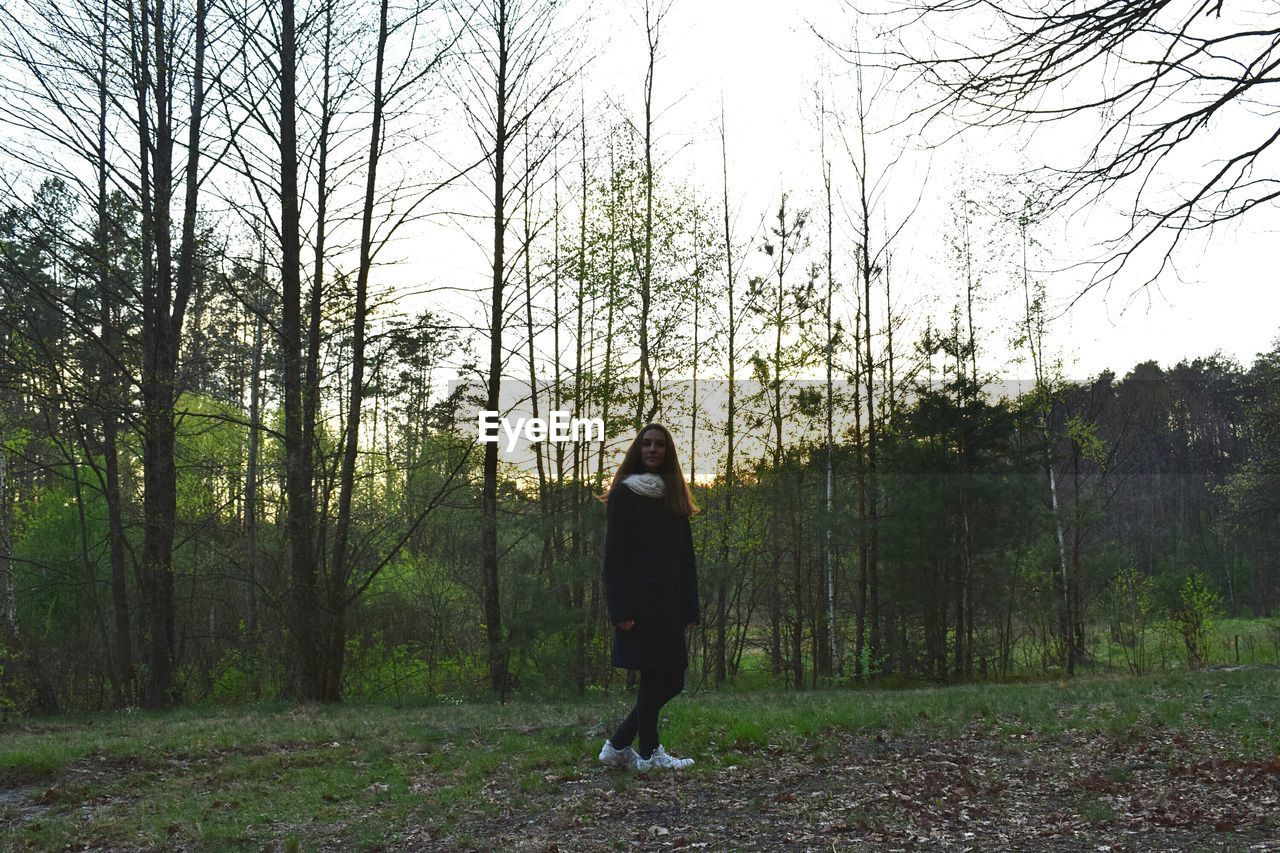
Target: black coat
650 575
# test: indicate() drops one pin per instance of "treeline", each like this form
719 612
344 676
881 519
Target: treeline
230 471
983 566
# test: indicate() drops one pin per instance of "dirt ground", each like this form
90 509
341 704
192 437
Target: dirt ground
1076 791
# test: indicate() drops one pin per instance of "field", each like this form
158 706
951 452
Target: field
1185 761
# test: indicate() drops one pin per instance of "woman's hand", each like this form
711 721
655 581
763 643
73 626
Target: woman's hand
627 625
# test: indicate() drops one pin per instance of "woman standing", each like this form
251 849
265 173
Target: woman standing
651 584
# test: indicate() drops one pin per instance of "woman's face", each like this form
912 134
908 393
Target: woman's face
653 449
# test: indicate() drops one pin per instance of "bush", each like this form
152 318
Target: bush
1193 618
376 671
15 695
235 679
1132 604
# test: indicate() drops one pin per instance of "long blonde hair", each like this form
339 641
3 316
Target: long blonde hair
676 493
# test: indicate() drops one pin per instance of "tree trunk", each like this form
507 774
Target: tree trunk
9 604
829 518
108 377
497 650
314 522
304 604
872 516
1063 588
582 626
611 285
652 25
251 468
162 329
797 586
339 580
872 512
726 528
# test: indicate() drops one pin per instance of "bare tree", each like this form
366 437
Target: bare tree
517 61
70 55
784 310
282 136
867 200
833 331
307 117
302 563
722 587
586 626
653 17
730 577
1180 93
1033 334
78 63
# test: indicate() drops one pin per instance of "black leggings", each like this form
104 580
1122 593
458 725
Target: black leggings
657 688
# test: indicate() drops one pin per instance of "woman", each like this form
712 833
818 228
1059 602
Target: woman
651 584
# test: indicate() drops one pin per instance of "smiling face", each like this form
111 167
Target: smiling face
653 450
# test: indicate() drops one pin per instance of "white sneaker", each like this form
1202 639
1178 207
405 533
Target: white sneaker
661 760
625 757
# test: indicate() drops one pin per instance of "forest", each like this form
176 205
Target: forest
239 386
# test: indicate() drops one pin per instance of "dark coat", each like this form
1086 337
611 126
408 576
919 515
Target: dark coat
650 575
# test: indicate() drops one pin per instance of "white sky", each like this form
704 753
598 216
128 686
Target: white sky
762 58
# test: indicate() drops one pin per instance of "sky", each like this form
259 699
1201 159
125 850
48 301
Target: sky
763 59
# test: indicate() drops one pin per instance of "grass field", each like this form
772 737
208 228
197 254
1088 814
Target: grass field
1230 642
1175 761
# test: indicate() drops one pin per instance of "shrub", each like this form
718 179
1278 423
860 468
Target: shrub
235 679
15 695
1132 604
1198 607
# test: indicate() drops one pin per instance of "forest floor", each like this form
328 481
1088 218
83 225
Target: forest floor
1171 762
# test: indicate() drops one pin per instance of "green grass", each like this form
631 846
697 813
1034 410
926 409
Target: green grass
1117 774
356 775
1231 641
1097 811
1246 642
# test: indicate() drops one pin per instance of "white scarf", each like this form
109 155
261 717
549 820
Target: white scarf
647 484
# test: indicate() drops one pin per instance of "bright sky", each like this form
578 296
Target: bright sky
762 58
765 60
